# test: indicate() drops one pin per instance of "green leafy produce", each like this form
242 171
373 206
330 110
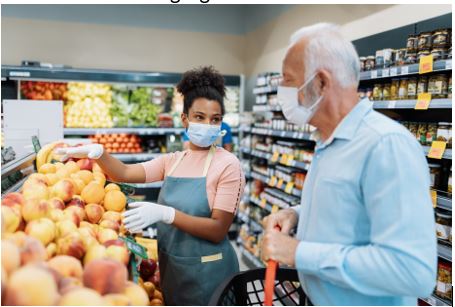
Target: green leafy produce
143 112
120 105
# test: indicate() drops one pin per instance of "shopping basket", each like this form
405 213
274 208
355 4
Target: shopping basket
247 289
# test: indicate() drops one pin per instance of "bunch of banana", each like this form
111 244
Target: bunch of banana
46 154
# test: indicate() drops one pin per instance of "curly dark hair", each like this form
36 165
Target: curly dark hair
203 82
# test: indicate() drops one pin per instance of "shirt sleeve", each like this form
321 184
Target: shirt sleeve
230 188
155 169
227 138
400 258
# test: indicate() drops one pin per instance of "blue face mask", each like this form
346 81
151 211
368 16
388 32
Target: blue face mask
203 135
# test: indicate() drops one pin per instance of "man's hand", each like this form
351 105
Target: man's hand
286 219
279 247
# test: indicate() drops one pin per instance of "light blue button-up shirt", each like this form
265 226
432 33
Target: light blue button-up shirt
366 223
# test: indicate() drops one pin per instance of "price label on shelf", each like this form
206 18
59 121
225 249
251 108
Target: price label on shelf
374 74
423 101
283 134
392 104
426 64
280 183
404 70
437 149
275 208
385 72
263 202
284 159
448 64
434 197
290 160
393 71
289 187
275 156
272 181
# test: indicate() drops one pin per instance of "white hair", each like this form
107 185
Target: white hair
328 49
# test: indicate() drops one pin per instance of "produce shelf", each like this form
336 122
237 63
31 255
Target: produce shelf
139 131
410 104
15 187
282 134
433 300
257 202
265 90
137 157
392 72
18 164
447 152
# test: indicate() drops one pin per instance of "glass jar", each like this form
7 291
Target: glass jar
362 60
411 58
440 38
379 59
437 86
413 128
370 63
435 172
412 43
377 92
423 53
386 91
403 89
412 88
444 283
432 133
449 88
400 56
439 53
444 132
443 225
424 41
422 85
394 88
422 133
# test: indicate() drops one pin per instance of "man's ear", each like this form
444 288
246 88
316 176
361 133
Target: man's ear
325 82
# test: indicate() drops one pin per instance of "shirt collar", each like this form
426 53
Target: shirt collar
348 125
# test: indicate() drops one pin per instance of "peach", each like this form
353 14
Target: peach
96 168
51 250
32 251
85 164
38 191
34 209
109 224
117 299
115 201
56 215
72 216
71 245
149 287
94 212
85 175
111 187
59 165
63 173
79 185
112 215
119 253
95 252
47 168
82 297
63 189
37 178
88 237
100 178
11 257
31 285
56 203
42 229
13 199
106 234
65 227
85 224
68 284
136 294
79 211
18 238
67 266
76 201
71 167
52 179
93 193
105 276
11 220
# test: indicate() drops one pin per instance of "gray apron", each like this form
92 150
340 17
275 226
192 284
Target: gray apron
190 268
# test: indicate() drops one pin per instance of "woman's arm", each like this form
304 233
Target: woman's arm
119 171
214 228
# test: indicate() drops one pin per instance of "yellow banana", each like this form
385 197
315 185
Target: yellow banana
41 157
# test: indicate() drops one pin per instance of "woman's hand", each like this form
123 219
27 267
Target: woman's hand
91 151
144 214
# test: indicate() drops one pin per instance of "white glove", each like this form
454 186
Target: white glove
144 214
91 151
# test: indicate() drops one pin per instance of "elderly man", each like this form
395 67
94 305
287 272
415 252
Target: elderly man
366 230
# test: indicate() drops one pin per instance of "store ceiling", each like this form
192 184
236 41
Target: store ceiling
227 19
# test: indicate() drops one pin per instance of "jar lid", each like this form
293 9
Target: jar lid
447 216
434 165
444 124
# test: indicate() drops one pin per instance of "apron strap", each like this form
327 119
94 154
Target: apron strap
176 164
209 160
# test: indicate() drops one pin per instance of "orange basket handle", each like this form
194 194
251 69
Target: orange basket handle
270 274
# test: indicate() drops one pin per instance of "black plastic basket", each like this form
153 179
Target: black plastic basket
247 289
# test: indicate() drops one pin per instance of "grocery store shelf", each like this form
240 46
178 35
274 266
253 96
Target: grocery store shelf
444 203
253 259
257 202
433 300
245 129
266 108
410 104
283 134
245 150
18 164
266 179
235 130
413 69
447 152
243 217
15 187
261 154
139 131
99 75
137 157
265 90
445 252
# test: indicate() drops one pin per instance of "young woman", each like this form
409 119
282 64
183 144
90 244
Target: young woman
197 202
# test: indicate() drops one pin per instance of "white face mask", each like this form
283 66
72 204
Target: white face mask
288 98
204 135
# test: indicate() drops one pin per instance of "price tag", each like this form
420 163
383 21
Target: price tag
275 156
290 160
385 72
434 197
263 202
275 208
448 64
280 183
426 64
423 101
392 104
289 187
36 144
284 159
272 181
135 247
404 70
374 74
393 71
437 149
